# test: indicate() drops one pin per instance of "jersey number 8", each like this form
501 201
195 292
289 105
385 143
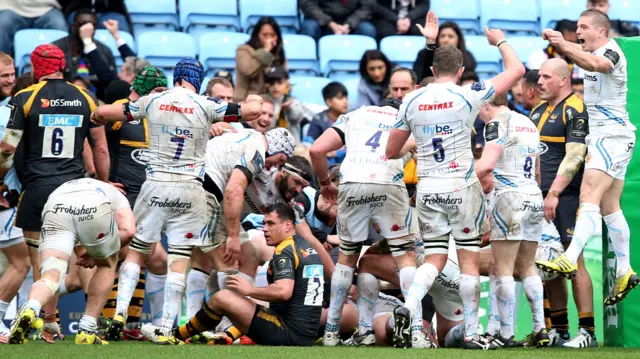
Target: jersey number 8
528 166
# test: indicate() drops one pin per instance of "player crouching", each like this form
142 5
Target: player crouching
95 214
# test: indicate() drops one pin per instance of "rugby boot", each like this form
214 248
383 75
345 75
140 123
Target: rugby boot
84 338
584 339
358 340
114 332
499 342
561 265
21 326
622 287
402 329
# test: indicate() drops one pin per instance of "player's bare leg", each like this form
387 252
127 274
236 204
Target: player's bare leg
33 240
14 272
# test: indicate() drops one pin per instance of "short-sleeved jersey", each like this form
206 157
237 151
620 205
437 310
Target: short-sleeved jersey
118 200
520 141
567 122
179 126
244 150
128 149
295 259
365 133
54 116
441 118
606 94
11 178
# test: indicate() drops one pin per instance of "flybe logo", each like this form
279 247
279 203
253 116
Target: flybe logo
379 126
177 131
60 120
437 130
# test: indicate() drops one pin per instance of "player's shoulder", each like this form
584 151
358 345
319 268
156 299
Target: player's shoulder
538 109
574 102
121 101
25 93
411 96
612 52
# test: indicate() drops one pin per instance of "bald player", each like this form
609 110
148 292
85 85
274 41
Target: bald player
562 121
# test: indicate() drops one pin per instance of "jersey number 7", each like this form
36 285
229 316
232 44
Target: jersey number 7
180 142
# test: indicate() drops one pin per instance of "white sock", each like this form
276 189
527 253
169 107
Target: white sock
470 295
212 286
493 326
25 287
154 288
63 287
588 224
406 275
506 298
35 305
3 309
88 324
535 295
340 284
127 282
173 295
196 286
619 234
422 282
368 288
454 337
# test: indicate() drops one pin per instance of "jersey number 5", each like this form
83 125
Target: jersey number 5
438 149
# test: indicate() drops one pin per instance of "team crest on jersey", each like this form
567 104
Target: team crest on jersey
579 128
535 117
478 86
612 56
543 148
491 133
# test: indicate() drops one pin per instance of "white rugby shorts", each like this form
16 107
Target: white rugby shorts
216 232
610 153
9 234
517 217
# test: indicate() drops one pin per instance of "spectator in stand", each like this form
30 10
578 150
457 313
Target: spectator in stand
132 64
337 17
221 88
16 15
263 51
568 29
619 28
399 17
577 85
448 35
85 56
375 73
104 9
335 96
289 112
7 78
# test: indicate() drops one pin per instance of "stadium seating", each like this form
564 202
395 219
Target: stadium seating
25 41
284 11
525 45
165 48
352 90
152 15
301 54
402 50
342 53
218 50
105 37
309 89
552 11
520 16
465 13
487 56
627 10
197 17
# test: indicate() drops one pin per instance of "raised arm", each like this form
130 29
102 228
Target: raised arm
513 68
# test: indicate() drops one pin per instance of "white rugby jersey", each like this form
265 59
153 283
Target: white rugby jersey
520 141
441 118
67 189
365 133
263 192
245 149
606 94
179 126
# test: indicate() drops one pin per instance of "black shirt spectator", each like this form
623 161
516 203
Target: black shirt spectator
340 17
399 17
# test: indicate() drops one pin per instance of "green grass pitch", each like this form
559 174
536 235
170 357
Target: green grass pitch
144 350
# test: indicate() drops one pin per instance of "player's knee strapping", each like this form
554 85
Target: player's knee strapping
437 245
53 263
140 246
472 245
400 246
350 249
178 252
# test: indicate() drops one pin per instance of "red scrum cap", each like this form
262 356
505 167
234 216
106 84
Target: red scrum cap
46 60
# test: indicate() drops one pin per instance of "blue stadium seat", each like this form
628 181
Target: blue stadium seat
466 13
169 75
352 90
552 11
165 48
520 16
309 89
342 53
197 17
627 10
301 54
284 11
525 45
487 56
152 15
25 41
402 50
218 50
203 87
105 37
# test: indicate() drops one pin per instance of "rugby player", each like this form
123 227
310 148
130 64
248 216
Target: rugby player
54 115
450 198
562 121
511 153
530 92
610 146
171 200
294 294
372 190
99 217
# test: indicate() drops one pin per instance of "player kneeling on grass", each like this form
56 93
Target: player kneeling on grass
98 216
295 292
